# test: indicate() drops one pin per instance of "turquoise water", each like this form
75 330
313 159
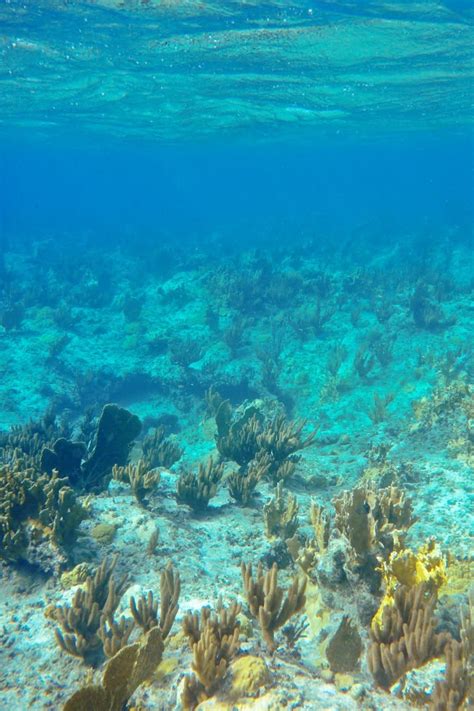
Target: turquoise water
236 326
182 71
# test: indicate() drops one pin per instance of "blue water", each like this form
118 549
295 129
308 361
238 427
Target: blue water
112 192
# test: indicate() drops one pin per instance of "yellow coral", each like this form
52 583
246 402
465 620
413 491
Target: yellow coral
104 533
76 576
405 567
249 674
460 574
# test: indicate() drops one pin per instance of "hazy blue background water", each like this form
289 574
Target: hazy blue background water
398 186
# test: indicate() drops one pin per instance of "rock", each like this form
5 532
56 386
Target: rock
344 647
327 675
344 682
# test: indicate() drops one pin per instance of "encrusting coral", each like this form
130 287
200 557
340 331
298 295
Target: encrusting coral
266 603
405 567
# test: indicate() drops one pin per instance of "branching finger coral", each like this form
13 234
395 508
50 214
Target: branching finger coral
115 635
374 522
307 552
81 621
142 480
197 489
280 514
457 688
266 601
214 640
282 438
237 440
145 610
273 442
35 508
159 451
406 637
242 483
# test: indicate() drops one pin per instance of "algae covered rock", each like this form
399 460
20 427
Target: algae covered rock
104 533
76 576
249 675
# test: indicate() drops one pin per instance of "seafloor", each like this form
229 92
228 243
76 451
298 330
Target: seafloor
366 344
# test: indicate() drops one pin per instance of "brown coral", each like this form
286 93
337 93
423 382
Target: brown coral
90 608
266 601
457 687
124 673
145 610
141 478
374 522
406 639
196 489
35 506
214 640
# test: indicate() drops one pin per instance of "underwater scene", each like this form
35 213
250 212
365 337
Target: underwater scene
236 355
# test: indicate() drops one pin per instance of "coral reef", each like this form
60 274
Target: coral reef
345 647
160 451
214 640
145 612
457 688
242 483
227 360
116 432
280 515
